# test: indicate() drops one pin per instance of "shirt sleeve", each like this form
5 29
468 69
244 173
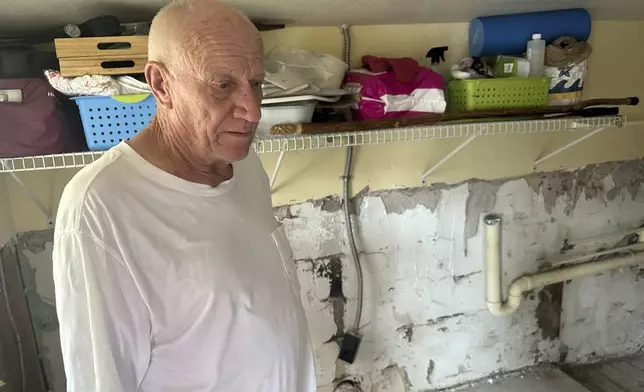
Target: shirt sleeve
105 330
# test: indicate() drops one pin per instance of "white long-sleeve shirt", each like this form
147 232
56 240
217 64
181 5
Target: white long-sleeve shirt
163 285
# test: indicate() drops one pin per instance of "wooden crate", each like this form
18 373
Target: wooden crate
102 55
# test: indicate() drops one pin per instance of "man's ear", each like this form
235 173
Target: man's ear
158 79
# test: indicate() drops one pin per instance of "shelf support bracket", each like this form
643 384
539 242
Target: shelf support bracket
448 157
567 146
278 165
41 206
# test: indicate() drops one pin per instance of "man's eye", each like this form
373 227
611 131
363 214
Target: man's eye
255 84
223 85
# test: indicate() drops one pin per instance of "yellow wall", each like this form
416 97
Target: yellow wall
314 174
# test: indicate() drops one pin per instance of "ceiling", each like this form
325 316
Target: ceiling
17 16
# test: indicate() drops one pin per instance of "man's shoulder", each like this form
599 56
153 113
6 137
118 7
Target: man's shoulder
88 187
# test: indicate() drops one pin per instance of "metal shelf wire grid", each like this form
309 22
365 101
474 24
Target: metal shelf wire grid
49 162
309 142
432 132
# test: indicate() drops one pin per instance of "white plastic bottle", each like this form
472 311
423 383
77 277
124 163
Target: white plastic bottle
536 55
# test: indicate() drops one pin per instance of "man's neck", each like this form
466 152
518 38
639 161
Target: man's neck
160 145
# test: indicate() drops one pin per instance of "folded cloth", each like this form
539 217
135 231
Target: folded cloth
383 96
101 85
404 68
83 85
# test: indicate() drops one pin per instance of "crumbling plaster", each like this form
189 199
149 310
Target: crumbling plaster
425 323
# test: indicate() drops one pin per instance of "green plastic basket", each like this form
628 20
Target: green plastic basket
501 93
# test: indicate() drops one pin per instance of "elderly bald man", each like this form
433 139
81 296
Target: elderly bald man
171 272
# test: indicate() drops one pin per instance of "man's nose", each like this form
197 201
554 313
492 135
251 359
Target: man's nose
248 105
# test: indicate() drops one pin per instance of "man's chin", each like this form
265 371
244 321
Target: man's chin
234 147
238 155
234 153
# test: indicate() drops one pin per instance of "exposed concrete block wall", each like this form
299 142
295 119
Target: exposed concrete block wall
34 253
425 323
19 363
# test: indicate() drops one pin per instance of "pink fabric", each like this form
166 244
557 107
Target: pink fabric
404 68
375 87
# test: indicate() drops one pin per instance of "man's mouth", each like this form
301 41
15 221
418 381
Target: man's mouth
238 134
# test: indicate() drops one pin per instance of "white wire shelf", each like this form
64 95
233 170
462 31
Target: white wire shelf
433 132
48 162
309 142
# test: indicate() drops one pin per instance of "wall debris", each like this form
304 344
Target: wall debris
331 269
42 309
430 371
548 312
35 241
481 199
588 180
330 204
442 319
399 200
407 332
393 379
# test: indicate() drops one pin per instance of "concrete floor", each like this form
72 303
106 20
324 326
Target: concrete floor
624 375
535 380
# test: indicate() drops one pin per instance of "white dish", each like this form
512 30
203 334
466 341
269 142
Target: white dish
299 98
295 113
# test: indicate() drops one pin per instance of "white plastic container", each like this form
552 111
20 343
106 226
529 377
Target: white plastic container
536 54
285 113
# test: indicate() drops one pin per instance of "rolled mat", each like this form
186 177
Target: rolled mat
509 34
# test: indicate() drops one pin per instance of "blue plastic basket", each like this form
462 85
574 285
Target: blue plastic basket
107 121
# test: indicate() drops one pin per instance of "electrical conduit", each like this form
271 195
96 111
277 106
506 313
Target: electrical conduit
493 273
346 178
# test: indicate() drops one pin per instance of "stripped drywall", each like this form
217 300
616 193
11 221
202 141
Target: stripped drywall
34 254
19 354
425 323
6 218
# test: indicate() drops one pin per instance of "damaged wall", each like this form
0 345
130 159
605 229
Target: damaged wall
6 219
19 362
35 257
6 232
425 323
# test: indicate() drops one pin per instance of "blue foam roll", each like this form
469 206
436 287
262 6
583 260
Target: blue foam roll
509 34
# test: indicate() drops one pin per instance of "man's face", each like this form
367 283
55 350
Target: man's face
217 97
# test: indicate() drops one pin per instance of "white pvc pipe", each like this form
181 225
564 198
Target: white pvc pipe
493 267
493 273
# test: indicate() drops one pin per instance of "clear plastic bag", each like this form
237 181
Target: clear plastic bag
324 71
